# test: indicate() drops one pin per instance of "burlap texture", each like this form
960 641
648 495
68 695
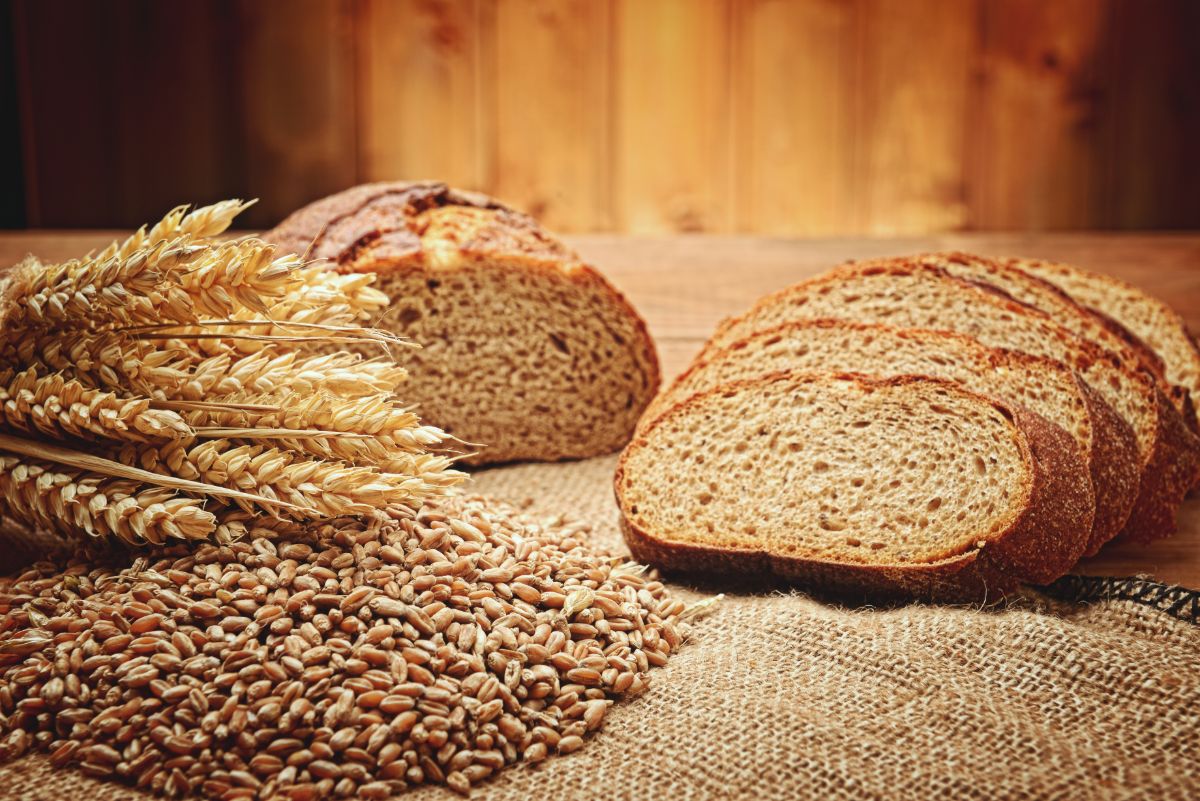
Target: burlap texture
779 696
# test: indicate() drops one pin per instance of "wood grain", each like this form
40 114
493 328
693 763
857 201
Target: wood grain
672 163
550 79
793 118
421 92
1038 161
298 72
683 285
915 60
784 117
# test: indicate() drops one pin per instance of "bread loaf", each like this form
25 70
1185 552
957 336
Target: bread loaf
912 294
1049 388
1034 291
526 351
907 485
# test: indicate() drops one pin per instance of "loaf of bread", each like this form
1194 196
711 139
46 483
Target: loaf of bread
1144 320
905 485
1046 297
527 352
1047 387
909 293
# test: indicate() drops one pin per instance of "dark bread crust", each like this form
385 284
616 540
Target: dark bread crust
429 229
1042 543
1113 465
1173 452
383 223
1166 479
1112 458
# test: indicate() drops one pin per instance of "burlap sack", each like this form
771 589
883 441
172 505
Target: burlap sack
780 697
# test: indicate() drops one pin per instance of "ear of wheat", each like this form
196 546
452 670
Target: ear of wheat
165 387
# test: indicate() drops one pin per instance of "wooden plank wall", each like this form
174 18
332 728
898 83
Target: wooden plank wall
787 117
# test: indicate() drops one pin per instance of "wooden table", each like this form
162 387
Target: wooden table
684 284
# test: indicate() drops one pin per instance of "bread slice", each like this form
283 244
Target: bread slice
1144 319
526 350
907 485
1045 296
1047 387
916 295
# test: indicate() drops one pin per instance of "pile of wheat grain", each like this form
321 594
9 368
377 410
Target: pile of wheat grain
438 646
165 387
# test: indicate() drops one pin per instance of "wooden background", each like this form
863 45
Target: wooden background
787 117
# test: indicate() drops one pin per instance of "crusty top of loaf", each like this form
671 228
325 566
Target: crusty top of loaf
374 226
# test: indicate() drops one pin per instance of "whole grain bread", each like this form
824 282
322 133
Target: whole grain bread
908 293
1047 387
907 485
1035 291
1143 320
526 351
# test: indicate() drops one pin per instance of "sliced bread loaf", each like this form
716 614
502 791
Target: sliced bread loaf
1041 294
906 485
1045 386
911 294
1150 321
527 351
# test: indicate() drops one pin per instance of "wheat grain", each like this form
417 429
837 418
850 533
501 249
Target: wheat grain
316 487
359 659
238 274
54 406
128 291
205 222
73 501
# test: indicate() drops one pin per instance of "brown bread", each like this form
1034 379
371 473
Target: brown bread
1034 291
527 351
1144 320
898 486
908 293
1044 386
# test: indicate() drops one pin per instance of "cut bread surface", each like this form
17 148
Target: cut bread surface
1047 387
911 294
907 484
526 351
1153 322
1043 295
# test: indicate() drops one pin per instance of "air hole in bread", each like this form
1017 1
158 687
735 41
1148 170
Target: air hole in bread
933 504
820 466
408 315
560 344
433 284
705 498
831 522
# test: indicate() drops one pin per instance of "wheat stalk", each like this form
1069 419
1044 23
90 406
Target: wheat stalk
62 408
174 372
205 222
71 502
